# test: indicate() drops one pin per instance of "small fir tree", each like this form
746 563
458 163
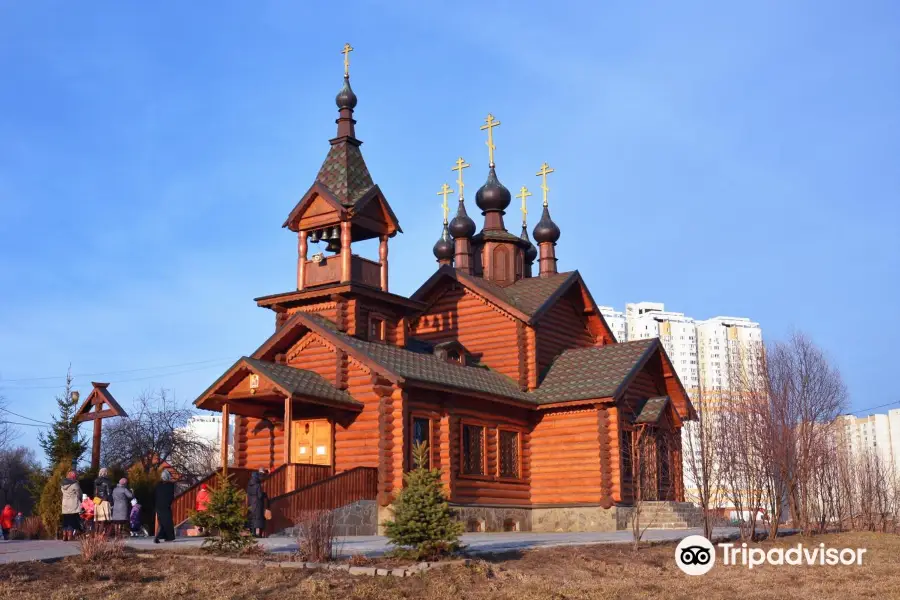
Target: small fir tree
226 517
64 439
423 524
50 504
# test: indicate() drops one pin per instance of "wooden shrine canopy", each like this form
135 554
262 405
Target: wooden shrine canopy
99 405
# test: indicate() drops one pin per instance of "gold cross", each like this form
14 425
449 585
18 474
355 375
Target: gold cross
445 191
545 170
523 194
346 52
490 123
460 165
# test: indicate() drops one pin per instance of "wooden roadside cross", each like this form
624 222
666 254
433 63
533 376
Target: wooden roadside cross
99 405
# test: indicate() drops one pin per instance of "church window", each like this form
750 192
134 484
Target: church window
473 450
421 434
509 453
376 329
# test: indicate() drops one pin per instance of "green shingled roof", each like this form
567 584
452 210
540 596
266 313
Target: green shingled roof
587 373
652 410
345 174
529 294
301 381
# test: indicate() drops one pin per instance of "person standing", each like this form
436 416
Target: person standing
256 500
19 521
87 513
202 502
134 519
164 494
6 520
103 510
71 506
121 506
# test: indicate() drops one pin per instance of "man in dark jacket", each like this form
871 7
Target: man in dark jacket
163 495
256 500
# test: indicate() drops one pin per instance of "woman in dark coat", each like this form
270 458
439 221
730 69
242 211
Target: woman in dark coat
256 501
164 494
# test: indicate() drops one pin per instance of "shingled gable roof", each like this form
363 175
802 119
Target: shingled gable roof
526 299
400 364
344 172
578 374
596 372
652 410
291 381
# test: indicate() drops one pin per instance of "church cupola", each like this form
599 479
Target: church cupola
443 249
343 206
546 232
462 227
530 252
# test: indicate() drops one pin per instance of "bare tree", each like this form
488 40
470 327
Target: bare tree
155 436
8 432
18 467
806 393
702 457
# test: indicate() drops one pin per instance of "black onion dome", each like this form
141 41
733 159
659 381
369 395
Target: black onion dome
531 252
546 230
346 98
462 226
443 249
493 195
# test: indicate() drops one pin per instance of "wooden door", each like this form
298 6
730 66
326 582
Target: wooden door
311 441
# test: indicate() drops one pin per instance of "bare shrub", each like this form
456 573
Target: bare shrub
97 547
33 528
316 540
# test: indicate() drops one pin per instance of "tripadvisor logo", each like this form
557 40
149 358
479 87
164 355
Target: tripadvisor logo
696 555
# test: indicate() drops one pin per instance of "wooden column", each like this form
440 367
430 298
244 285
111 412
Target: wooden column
226 416
301 260
95 449
345 251
288 418
383 258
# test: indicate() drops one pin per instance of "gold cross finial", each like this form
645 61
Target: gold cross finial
445 191
489 124
545 170
460 165
346 52
523 194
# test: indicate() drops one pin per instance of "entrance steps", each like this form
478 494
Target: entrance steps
670 515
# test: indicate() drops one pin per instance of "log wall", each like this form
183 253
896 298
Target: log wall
486 332
561 328
565 457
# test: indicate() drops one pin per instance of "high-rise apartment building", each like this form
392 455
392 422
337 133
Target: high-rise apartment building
879 434
702 352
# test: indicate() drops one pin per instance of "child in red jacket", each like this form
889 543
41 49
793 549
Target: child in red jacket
6 520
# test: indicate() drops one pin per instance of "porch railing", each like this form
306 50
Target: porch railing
187 500
360 483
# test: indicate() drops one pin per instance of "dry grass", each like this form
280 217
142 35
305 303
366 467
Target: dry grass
560 573
98 547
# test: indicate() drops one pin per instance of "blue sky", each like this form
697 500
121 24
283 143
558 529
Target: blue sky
733 158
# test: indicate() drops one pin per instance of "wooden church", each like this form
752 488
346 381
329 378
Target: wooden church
535 415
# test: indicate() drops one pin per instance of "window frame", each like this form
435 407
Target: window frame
518 476
412 429
484 475
377 317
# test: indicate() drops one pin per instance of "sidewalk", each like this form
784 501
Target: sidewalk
476 543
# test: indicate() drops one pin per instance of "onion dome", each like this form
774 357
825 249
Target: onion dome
493 195
546 230
346 98
443 249
530 252
462 226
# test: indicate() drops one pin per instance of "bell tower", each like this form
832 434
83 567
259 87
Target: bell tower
343 206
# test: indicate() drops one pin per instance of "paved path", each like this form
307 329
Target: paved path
477 543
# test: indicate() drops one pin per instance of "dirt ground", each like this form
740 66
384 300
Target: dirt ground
607 571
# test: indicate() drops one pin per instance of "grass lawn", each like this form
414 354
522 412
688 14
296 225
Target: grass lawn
603 571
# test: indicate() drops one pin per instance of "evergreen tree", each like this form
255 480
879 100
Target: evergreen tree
423 522
226 516
50 504
64 439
